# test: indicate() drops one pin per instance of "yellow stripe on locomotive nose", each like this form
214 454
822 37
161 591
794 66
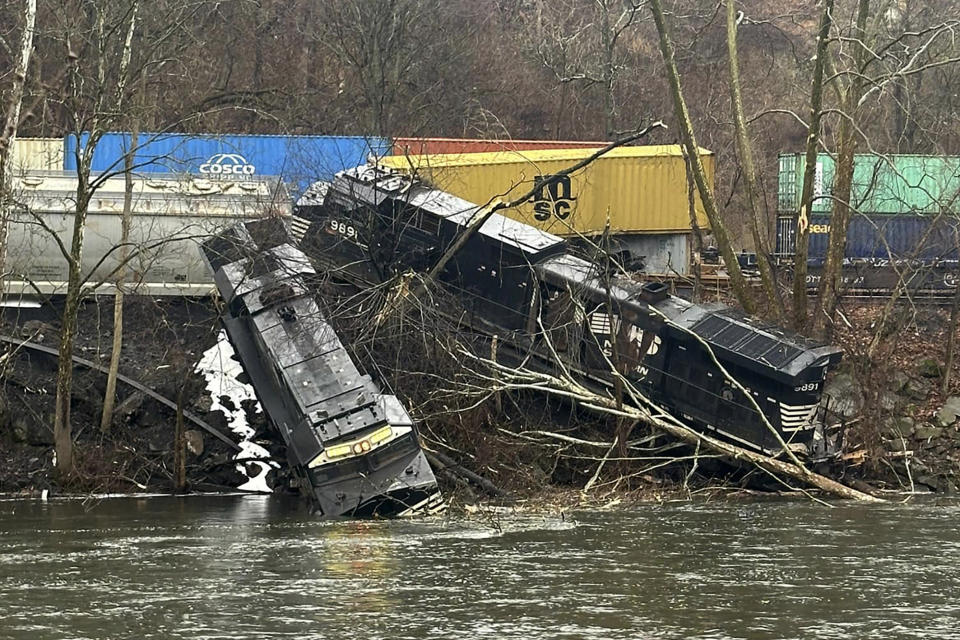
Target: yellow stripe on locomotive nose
338 451
381 435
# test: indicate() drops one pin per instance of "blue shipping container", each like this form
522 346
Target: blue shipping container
879 239
298 160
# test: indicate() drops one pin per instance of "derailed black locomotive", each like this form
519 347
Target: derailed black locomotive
353 449
526 286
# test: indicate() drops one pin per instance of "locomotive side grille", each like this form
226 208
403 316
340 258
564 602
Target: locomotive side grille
600 324
298 228
797 417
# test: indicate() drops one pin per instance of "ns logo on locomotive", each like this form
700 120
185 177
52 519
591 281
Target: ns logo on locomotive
514 280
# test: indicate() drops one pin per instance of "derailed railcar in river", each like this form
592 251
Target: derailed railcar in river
353 449
525 285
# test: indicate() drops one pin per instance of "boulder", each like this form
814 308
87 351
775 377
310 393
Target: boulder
194 440
36 331
927 432
129 406
950 411
930 368
937 482
896 445
29 431
918 389
846 396
888 400
899 381
203 403
897 427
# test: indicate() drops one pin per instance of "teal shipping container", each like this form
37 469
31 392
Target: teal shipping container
882 185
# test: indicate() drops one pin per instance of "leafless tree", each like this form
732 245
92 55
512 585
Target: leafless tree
738 283
758 228
12 122
583 43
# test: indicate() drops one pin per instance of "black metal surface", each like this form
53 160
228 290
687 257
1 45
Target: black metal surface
309 386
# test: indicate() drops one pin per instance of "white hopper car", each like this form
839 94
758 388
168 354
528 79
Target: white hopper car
172 215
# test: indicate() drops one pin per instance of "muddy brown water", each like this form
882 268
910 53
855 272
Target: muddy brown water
260 567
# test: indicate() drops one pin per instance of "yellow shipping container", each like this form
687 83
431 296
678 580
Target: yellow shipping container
643 190
37 154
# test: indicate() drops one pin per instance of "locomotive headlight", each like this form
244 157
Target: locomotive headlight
354 448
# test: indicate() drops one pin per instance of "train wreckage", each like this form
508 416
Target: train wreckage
528 287
353 449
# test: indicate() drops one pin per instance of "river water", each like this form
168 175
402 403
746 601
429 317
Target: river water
260 567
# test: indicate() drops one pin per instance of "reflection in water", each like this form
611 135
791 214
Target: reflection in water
259 567
360 554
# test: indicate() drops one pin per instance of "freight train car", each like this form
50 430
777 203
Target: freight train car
905 224
297 160
353 449
523 284
36 154
640 193
170 215
431 146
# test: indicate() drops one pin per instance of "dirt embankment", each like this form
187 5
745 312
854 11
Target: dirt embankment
903 428
162 344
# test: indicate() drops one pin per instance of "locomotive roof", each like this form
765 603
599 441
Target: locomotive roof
760 345
744 340
302 346
373 185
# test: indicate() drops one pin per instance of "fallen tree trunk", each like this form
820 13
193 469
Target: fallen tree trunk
442 462
658 418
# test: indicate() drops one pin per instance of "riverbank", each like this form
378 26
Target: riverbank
902 431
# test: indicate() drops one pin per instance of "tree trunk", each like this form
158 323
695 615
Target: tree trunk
179 448
737 282
12 120
110 395
809 174
11 124
697 261
62 435
744 149
952 335
842 210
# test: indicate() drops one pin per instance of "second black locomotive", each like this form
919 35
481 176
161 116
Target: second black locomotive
528 287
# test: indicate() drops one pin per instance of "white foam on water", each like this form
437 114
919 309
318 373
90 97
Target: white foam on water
221 371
